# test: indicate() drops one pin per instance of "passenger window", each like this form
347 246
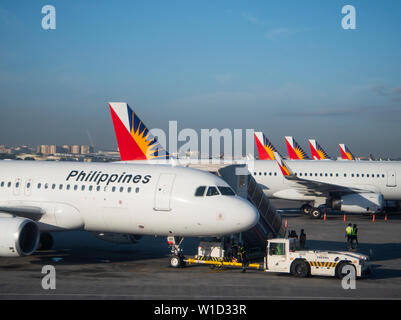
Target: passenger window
226 191
345 174
212 191
331 174
275 173
83 187
9 184
98 188
17 185
28 185
60 187
68 187
46 185
121 189
129 189
113 189
75 187
39 185
90 188
200 191
137 190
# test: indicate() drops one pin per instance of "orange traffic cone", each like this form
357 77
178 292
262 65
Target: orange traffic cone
324 216
286 223
345 217
374 218
385 217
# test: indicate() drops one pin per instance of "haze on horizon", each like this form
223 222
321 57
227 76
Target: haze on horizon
285 68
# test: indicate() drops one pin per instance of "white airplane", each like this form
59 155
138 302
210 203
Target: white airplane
136 199
356 187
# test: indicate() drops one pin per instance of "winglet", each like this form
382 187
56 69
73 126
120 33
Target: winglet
283 166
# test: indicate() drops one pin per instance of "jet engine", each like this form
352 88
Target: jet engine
118 238
359 203
18 237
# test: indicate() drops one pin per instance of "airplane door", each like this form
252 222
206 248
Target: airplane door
164 188
391 179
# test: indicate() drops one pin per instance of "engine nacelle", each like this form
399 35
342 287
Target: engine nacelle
360 203
118 238
18 237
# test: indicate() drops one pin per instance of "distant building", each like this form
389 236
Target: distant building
65 148
86 149
75 149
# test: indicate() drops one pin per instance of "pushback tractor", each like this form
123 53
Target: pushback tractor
283 255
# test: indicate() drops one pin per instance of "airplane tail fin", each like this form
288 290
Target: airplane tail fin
346 154
317 151
134 139
295 151
265 147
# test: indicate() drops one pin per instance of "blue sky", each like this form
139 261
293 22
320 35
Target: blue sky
284 67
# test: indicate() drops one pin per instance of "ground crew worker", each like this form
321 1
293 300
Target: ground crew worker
234 250
354 235
302 239
348 234
244 258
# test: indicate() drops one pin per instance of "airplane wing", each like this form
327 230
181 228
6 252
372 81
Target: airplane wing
30 212
310 187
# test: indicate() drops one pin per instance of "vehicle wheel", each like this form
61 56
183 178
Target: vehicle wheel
315 213
46 241
176 262
340 268
300 268
305 209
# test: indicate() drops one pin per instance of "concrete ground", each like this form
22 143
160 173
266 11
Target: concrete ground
87 268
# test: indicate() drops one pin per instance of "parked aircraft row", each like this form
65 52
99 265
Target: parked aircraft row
146 194
350 186
295 152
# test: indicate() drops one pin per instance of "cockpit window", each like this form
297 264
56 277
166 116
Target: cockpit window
226 191
212 191
200 191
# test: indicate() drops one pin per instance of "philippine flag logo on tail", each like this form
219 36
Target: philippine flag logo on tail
265 148
134 139
295 152
346 154
317 151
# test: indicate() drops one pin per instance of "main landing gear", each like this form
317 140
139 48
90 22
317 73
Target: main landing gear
313 213
177 256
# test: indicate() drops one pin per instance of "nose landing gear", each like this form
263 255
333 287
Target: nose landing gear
177 256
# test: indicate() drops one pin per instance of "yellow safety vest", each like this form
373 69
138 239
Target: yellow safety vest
349 231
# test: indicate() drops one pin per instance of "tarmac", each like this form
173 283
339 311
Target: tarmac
88 268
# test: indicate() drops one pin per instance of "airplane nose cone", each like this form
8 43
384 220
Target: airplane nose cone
248 215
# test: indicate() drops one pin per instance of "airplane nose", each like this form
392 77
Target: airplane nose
247 214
